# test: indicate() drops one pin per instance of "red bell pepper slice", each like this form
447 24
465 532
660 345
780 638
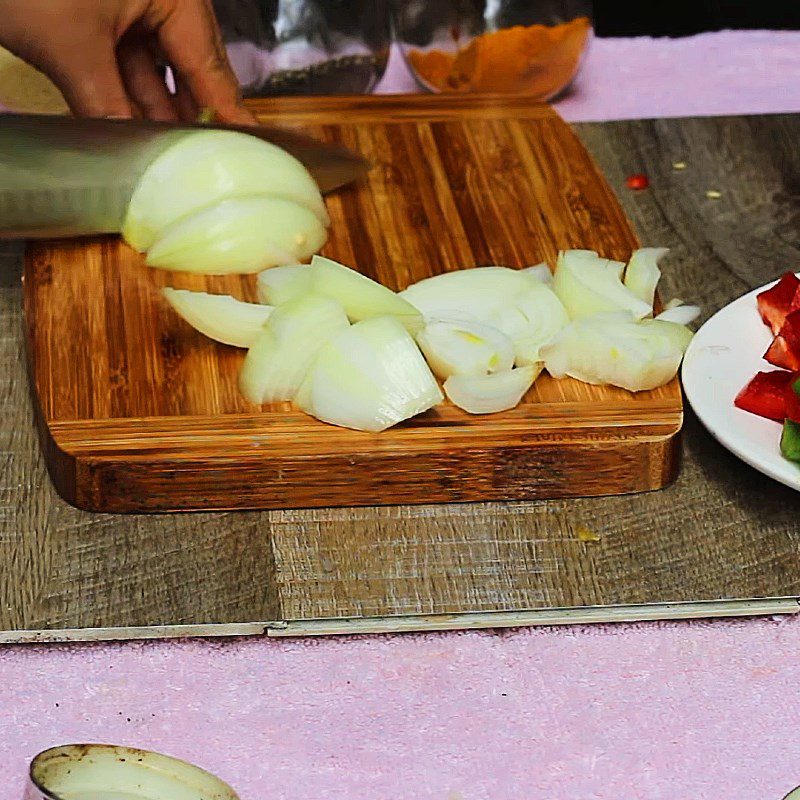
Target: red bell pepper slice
776 303
767 394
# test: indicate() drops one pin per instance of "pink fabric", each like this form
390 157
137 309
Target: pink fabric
652 711
733 72
700 711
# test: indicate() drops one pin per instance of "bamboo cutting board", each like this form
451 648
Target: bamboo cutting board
138 412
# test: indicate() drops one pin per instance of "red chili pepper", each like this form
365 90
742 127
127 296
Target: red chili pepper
637 182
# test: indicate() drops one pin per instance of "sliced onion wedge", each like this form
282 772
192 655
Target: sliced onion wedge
488 394
204 167
642 273
219 316
480 291
369 377
540 272
279 285
683 315
587 285
465 348
239 236
284 350
545 316
614 349
361 297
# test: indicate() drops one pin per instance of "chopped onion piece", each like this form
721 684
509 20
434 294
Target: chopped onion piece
545 315
284 350
239 236
642 274
674 303
465 348
279 285
586 285
219 316
683 315
613 349
481 291
540 272
205 167
488 394
361 297
369 377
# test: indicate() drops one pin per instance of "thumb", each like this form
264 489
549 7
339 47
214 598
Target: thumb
90 81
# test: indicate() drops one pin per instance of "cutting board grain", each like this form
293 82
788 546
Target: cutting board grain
138 412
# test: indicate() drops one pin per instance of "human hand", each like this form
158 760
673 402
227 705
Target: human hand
104 54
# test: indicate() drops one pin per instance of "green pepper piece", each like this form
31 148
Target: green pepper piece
790 440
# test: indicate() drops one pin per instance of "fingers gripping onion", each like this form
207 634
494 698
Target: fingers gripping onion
220 317
369 377
282 353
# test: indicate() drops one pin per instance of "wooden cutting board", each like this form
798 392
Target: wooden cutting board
138 412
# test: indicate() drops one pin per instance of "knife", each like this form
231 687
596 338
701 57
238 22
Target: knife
67 176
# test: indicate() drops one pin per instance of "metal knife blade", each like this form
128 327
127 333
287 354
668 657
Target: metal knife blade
332 166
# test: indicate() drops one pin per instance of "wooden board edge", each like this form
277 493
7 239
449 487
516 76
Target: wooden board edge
369 479
705 609
393 107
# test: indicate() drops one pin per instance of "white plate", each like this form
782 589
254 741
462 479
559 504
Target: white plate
722 357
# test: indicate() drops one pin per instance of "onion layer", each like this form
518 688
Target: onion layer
219 316
488 394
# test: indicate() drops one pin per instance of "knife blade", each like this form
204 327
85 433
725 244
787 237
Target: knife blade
67 176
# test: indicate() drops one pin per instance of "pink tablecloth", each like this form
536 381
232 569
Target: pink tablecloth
653 711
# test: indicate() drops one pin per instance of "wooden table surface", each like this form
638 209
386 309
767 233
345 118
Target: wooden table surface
721 531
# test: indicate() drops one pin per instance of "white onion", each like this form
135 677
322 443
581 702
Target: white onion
480 292
285 349
279 285
464 348
683 315
541 272
588 285
361 297
369 377
239 236
219 316
614 349
205 167
545 316
488 394
642 273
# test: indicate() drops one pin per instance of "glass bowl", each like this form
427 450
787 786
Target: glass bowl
317 47
531 47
